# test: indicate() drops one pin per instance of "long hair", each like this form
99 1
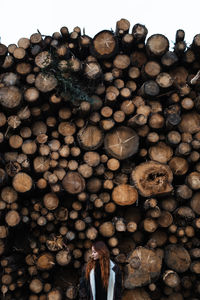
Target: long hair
104 261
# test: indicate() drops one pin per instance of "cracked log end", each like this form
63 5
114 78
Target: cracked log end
121 142
144 266
104 44
152 178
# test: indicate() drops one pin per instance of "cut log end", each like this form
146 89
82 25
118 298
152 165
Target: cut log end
152 178
104 44
121 143
124 194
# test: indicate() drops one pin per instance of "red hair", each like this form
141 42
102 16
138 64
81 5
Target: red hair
104 261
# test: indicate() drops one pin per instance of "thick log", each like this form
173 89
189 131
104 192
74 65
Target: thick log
45 83
171 278
107 229
73 183
124 194
90 138
177 258
144 265
136 294
10 97
45 261
104 44
121 143
22 182
152 178
157 45
63 257
161 153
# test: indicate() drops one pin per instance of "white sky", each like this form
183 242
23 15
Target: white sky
21 18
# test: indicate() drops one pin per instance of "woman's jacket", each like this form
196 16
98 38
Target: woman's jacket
87 287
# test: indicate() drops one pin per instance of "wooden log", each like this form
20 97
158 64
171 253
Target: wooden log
177 258
51 201
171 278
139 32
157 45
121 143
193 123
90 138
164 80
143 266
104 44
136 294
124 194
54 294
107 229
73 183
10 97
63 257
161 153
122 27
45 261
36 286
92 70
193 180
121 61
151 69
149 89
152 178
165 219
194 203
45 83
12 218
22 182
178 165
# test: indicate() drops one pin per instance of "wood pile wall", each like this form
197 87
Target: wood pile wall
100 139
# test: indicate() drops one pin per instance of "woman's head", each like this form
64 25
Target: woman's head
99 250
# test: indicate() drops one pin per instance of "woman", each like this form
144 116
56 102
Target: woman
101 278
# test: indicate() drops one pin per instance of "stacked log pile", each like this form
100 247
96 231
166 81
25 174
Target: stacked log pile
100 139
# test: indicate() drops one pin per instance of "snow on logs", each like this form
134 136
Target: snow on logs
100 139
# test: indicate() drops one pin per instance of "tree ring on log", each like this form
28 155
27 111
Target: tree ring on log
22 182
90 137
104 44
177 258
43 59
45 83
121 142
152 178
144 265
10 97
73 183
45 261
157 44
124 194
